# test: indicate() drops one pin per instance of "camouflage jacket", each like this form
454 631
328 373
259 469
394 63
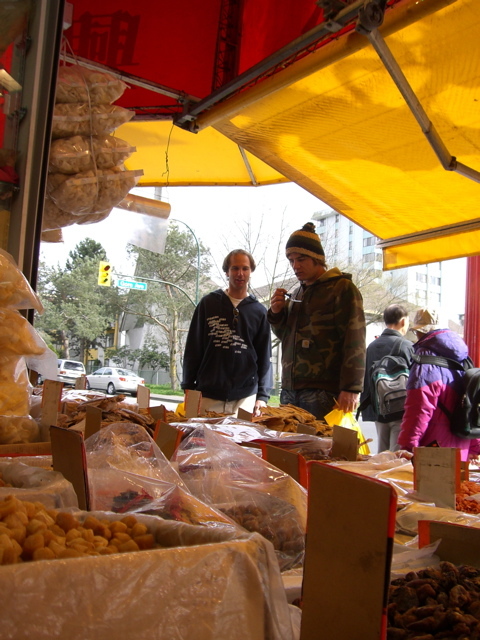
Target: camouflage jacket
323 338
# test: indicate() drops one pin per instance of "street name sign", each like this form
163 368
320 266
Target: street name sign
132 284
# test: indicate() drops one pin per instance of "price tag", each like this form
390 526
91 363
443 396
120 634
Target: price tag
437 475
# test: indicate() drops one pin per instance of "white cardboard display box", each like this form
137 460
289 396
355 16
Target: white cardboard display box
212 585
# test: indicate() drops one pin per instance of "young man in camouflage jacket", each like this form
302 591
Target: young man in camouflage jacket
322 330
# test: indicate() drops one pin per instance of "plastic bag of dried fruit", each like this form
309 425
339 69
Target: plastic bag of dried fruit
20 347
15 391
128 473
251 491
15 290
138 576
83 119
18 429
91 192
78 84
55 219
84 153
18 337
32 483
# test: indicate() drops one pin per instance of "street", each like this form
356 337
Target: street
169 402
369 431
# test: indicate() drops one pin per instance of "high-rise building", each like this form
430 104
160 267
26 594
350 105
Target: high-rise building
348 246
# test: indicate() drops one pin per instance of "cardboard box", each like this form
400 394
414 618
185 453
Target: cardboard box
167 438
458 544
34 484
437 475
350 528
287 461
26 449
344 445
207 585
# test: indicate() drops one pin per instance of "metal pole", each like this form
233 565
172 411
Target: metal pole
472 309
448 162
198 256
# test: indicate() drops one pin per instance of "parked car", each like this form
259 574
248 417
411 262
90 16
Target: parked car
113 380
69 370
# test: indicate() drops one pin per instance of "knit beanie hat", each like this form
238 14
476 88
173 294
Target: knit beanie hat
305 241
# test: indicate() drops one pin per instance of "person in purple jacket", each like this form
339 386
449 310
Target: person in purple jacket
424 423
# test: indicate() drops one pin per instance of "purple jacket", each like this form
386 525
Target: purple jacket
423 421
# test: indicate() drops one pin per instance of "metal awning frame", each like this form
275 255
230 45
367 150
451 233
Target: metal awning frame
438 232
447 160
347 15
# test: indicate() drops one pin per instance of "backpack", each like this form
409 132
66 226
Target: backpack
465 418
388 385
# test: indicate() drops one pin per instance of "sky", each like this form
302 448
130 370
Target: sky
218 217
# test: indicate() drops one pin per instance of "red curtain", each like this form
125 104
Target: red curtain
472 309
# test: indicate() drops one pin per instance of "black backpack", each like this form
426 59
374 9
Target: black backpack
388 385
465 418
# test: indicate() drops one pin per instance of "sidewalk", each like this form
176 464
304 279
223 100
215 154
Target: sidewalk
369 431
163 398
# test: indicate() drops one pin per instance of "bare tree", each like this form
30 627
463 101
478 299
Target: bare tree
267 246
168 304
379 289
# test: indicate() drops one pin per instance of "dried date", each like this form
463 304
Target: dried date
435 604
459 596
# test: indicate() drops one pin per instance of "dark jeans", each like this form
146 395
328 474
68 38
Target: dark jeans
316 401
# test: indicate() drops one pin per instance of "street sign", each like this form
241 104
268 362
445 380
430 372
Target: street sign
132 284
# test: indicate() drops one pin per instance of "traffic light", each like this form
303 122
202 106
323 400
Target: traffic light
105 274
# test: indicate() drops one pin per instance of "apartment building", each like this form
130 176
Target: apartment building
347 244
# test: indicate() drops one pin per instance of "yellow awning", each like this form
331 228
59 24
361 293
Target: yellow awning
344 132
335 123
171 156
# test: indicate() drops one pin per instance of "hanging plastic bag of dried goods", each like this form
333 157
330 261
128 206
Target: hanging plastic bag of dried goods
79 84
85 153
83 119
15 290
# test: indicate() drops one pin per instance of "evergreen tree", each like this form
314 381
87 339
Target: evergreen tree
78 312
169 301
149 356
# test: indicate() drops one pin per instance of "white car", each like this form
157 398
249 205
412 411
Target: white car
114 380
69 370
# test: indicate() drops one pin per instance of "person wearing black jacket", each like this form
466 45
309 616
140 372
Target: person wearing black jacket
396 321
228 349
